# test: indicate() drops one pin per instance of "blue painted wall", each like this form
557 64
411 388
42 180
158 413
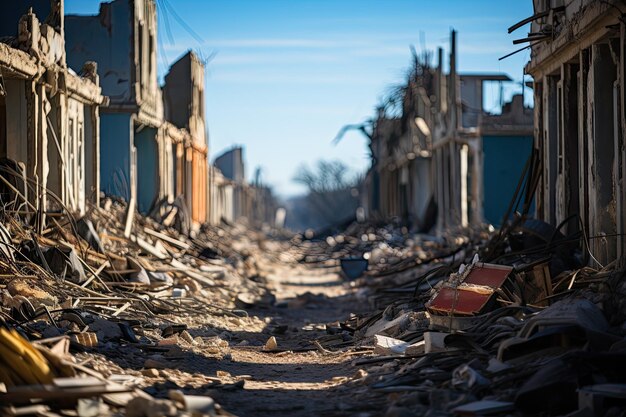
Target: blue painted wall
147 168
115 142
504 160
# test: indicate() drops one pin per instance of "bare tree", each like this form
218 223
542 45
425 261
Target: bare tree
331 197
329 176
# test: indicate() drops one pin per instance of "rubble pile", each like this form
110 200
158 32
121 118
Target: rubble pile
117 314
388 248
393 256
97 308
512 325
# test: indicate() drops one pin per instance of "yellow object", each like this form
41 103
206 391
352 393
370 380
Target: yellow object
15 362
23 359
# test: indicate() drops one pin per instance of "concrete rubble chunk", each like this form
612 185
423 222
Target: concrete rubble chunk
35 295
390 346
271 344
435 342
154 364
150 407
150 372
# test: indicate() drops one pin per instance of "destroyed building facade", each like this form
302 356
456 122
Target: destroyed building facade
49 115
231 165
183 95
503 143
577 63
428 160
154 145
232 197
122 39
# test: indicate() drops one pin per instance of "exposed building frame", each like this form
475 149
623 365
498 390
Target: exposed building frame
580 124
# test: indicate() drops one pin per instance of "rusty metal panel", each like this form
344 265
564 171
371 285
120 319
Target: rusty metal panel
488 275
460 301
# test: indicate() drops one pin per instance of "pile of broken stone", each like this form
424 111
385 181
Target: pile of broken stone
114 313
95 311
515 324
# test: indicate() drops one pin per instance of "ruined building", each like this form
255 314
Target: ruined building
221 197
122 40
230 164
233 197
578 63
503 143
183 96
148 154
49 114
429 156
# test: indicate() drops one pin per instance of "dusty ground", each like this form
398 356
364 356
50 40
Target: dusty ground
295 383
298 379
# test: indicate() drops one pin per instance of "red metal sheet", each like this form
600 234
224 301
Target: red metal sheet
488 275
459 301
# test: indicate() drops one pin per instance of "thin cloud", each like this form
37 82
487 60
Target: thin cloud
279 43
252 77
235 59
276 43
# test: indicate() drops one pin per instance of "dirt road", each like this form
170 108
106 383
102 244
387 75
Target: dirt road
303 380
227 360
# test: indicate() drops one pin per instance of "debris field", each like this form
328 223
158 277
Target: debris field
115 314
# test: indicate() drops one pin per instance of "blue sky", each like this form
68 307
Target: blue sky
286 75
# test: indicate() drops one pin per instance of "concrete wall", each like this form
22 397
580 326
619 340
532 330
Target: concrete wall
183 95
177 92
122 39
230 163
421 188
199 186
45 125
220 198
580 124
16 119
66 151
430 158
92 152
105 38
472 93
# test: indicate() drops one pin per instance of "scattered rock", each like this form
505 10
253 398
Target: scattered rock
28 290
150 407
271 344
154 364
390 346
187 337
150 372
198 405
216 341
172 340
